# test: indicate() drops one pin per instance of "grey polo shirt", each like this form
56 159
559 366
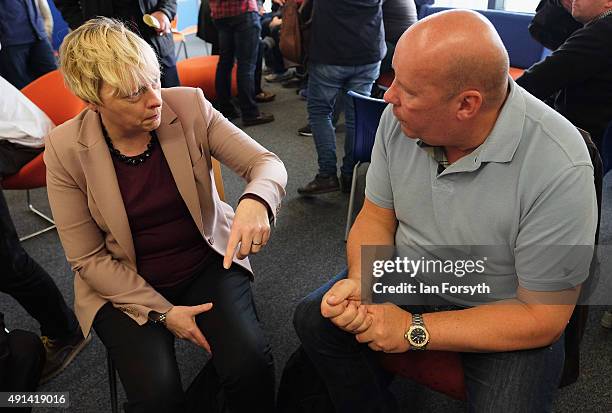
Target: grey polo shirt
526 189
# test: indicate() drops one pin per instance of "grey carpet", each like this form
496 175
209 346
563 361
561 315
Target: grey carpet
306 249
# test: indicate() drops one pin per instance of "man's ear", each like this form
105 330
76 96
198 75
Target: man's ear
469 103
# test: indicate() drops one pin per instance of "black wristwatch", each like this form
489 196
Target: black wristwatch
157 318
417 335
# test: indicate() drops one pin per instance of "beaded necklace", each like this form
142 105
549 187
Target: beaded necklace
130 160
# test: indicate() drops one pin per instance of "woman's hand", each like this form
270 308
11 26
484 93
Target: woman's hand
251 229
180 320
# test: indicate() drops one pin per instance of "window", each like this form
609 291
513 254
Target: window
464 4
525 6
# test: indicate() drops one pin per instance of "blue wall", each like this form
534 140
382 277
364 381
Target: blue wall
188 13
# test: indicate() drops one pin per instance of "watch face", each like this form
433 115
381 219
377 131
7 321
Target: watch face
418 335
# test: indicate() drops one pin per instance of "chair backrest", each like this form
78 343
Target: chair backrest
367 117
218 179
512 27
49 93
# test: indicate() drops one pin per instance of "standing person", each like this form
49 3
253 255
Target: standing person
347 44
398 15
153 248
76 12
22 128
239 26
25 51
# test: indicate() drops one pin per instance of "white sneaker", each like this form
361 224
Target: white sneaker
279 77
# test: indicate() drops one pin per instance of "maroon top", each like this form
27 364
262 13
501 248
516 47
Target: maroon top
167 242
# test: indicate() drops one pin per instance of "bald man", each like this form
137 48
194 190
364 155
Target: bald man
463 156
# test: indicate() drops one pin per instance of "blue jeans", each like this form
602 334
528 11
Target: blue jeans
325 82
515 381
21 64
239 39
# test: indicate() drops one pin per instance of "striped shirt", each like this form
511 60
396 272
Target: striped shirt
229 8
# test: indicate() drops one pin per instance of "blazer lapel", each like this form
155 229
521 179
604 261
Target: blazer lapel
102 182
174 145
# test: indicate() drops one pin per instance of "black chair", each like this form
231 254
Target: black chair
112 382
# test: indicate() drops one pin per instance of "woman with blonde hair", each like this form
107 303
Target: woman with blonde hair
155 252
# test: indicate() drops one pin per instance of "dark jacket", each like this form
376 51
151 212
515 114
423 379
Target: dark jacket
579 76
347 32
206 27
552 24
20 22
76 12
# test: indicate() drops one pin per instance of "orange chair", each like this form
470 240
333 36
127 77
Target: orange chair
200 72
49 93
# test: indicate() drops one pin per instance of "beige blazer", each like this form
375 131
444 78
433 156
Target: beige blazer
89 211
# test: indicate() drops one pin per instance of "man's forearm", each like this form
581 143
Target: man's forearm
505 326
365 231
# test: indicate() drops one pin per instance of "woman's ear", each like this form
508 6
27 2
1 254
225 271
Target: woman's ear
92 107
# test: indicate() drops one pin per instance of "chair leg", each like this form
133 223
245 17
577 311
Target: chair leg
41 215
351 206
184 43
112 382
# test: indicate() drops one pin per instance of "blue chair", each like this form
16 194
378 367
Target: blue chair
367 116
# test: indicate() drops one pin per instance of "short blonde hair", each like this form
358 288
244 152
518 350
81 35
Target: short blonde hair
103 49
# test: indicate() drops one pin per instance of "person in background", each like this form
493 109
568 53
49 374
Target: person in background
420 3
346 46
76 12
578 74
398 15
22 129
239 26
47 17
25 51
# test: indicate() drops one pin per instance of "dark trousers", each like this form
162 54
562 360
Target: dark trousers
169 76
273 56
515 381
22 357
238 39
258 65
21 64
27 282
145 358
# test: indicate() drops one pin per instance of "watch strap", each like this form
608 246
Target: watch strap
417 321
